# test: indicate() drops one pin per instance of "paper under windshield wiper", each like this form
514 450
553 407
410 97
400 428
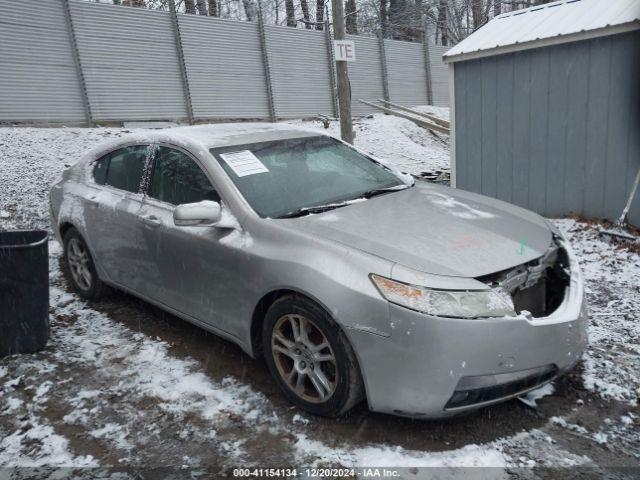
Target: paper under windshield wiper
301 212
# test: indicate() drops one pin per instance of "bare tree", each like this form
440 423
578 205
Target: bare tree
202 7
305 14
350 10
384 17
319 14
189 7
214 8
249 10
451 20
291 13
441 25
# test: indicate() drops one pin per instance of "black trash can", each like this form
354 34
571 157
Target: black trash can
24 291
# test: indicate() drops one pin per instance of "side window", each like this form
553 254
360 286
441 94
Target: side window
122 168
100 170
177 179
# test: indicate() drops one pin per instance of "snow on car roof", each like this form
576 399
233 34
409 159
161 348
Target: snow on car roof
201 138
236 133
556 22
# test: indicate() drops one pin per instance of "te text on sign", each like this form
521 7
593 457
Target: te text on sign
344 50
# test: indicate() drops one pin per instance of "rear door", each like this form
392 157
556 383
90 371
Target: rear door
112 214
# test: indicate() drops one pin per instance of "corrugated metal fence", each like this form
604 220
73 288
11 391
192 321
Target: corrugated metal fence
69 61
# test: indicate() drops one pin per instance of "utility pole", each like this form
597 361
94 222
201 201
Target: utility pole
344 89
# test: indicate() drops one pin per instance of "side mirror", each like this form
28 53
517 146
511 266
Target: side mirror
202 214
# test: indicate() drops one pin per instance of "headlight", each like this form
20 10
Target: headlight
446 303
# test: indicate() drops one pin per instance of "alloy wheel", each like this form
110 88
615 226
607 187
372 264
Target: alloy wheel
304 358
78 259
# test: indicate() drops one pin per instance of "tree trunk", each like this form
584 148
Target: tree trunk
477 14
305 14
291 13
189 7
202 7
249 10
442 27
351 17
383 17
399 20
319 14
214 10
419 10
497 7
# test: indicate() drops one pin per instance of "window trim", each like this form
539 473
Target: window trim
152 170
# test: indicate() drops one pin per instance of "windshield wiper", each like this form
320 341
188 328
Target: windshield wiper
301 212
381 191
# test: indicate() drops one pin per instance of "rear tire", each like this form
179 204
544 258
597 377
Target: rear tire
80 268
317 370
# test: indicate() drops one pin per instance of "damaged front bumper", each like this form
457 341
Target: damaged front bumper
434 367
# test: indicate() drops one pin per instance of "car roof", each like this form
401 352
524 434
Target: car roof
216 135
200 138
237 134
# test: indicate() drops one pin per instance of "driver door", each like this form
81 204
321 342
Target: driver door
190 264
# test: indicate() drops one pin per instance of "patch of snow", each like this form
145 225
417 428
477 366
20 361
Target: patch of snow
561 422
117 434
627 419
612 359
42 391
12 404
299 419
537 446
389 456
531 397
45 448
601 438
456 207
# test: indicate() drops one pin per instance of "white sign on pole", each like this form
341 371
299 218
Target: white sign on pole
344 50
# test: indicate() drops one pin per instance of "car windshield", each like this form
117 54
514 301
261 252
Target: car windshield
293 177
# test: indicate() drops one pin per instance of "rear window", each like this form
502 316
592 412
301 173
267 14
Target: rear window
122 168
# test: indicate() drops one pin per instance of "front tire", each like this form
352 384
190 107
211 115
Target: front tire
80 268
310 357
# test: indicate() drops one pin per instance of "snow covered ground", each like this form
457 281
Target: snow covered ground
122 384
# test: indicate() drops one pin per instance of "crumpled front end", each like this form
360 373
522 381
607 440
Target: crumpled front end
433 367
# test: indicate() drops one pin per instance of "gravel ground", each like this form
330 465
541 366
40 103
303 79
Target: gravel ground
123 386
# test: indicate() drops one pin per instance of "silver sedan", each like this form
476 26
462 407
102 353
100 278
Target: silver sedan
348 278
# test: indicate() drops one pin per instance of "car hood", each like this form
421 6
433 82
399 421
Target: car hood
436 230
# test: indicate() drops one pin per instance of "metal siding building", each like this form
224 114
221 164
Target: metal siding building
546 108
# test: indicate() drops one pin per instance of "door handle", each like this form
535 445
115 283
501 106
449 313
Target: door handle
151 220
93 202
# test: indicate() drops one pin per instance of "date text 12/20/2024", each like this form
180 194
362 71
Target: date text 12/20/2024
343 473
